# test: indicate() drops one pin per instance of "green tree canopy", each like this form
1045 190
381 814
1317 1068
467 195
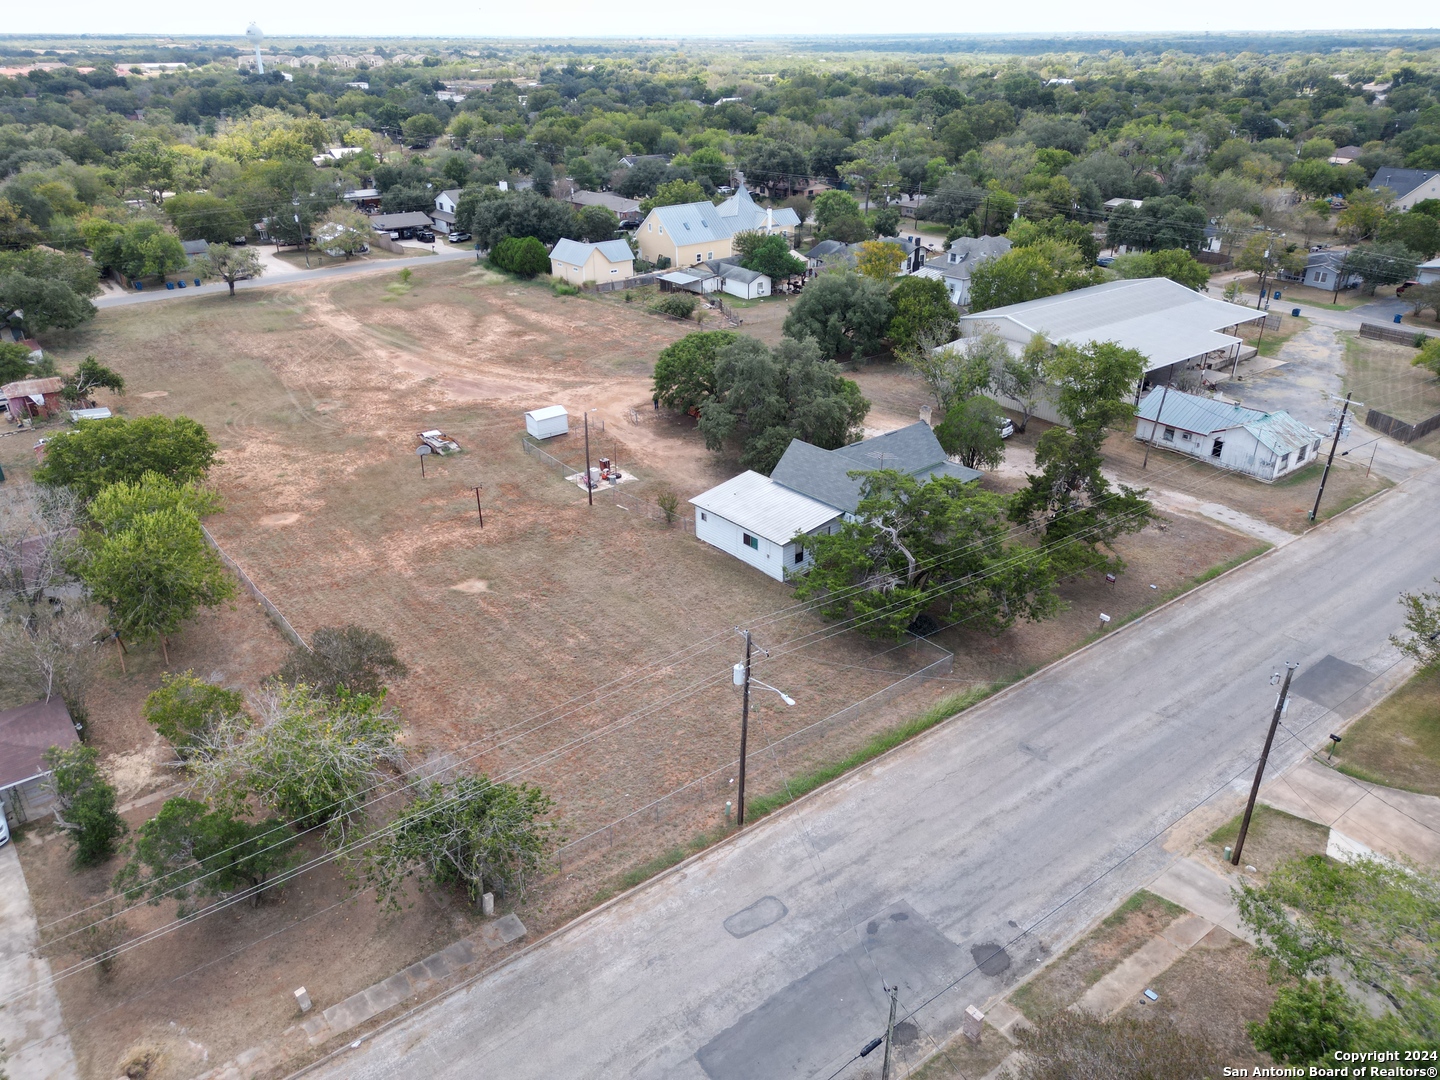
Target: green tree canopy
595 224
207 217
1044 269
971 432
53 289
523 256
186 708
104 452
924 315
768 255
1381 264
914 547
1173 263
842 313
84 802
90 376
685 370
674 193
490 218
1308 1021
466 833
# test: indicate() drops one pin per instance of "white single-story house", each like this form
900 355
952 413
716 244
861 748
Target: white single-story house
25 734
1428 273
580 263
1172 326
757 520
1263 445
1408 185
737 281
548 422
1112 204
959 261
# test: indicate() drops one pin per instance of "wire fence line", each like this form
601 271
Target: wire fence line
708 800
254 590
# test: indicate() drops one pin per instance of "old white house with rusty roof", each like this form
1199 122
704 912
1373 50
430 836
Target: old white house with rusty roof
1259 444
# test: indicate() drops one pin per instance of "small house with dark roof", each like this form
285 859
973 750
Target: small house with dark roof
25 734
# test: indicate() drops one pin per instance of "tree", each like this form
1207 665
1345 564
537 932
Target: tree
52 289
140 249
971 432
831 206
1364 213
1418 232
230 264
465 833
1173 263
685 369
959 370
1021 378
201 216
1420 297
923 312
39 540
885 221
913 546
1069 502
1380 264
524 256
1372 919
84 802
104 452
189 853
1166 221
310 758
878 260
1422 623
954 200
1264 255
53 653
421 128
186 708
843 313
1028 273
674 193
345 659
90 376
1308 1021
151 165
343 230
771 396
595 224
491 219
768 255
1076 1045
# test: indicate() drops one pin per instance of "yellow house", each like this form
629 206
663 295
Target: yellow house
691 233
578 263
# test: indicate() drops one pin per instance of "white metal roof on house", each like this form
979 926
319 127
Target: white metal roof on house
1158 317
577 253
759 505
549 412
1278 432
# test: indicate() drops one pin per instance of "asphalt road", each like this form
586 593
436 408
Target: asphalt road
1016 825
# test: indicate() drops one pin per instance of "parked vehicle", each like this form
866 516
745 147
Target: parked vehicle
1007 428
4 829
458 237
239 241
425 236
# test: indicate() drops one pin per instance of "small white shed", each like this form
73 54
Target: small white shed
547 422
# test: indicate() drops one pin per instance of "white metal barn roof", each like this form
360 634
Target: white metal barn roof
761 506
1156 316
549 412
1278 432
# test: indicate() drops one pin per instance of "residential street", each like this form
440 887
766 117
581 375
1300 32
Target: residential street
1016 826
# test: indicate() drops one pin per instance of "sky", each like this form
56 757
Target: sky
668 18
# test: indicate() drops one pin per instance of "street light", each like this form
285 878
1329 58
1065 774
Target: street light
742 679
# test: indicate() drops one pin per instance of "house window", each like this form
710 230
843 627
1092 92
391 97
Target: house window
1316 446
752 542
1322 277
1284 462
1217 446
1185 436
709 255
799 556
697 257
614 271
704 516
1301 455
649 228
1169 435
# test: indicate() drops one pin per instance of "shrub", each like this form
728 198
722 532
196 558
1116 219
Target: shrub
669 504
677 306
565 289
523 256
186 707
351 658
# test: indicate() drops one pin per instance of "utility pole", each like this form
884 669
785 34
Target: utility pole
1339 426
744 736
1260 769
889 1032
589 488
1155 427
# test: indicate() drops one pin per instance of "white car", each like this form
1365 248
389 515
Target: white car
4 829
1007 428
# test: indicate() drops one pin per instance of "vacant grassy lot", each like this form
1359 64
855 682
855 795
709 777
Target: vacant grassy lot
585 649
1274 837
1383 377
1397 743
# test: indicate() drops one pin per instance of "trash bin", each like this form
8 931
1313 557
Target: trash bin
138 287
1277 294
170 285
1398 319
197 282
181 283
1295 311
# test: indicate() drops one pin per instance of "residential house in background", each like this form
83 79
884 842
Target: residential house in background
1345 155
405 224
364 199
627 210
34 397
1263 445
446 203
1409 185
759 519
910 205
958 262
195 249
737 281
1324 270
1428 273
580 263
1111 204
25 734
697 232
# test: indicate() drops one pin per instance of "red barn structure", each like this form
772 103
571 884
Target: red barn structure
33 397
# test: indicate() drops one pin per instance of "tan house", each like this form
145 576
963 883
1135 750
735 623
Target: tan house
580 264
697 232
1409 185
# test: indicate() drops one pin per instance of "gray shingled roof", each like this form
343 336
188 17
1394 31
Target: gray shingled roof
1400 181
823 474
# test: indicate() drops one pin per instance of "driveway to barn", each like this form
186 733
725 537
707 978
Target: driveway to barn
31 1026
955 863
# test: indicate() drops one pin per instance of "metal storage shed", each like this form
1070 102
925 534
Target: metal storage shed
547 422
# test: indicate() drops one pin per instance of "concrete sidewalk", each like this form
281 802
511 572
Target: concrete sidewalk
1392 822
32 1026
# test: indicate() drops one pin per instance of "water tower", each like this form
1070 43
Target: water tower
255 36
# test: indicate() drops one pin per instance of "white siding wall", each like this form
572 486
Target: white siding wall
1239 451
768 558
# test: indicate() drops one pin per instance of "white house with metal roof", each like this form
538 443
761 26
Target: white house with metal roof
689 233
757 520
1263 445
579 263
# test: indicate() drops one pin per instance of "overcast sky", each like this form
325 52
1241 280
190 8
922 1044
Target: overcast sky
595 18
